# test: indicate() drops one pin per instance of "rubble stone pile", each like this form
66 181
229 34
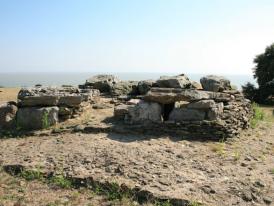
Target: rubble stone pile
7 115
216 111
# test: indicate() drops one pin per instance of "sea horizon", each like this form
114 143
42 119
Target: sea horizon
28 79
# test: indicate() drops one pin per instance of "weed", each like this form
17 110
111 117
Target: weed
113 192
194 203
236 155
219 148
74 196
61 182
162 203
21 190
258 115
56 203
9 197
30 175
45 121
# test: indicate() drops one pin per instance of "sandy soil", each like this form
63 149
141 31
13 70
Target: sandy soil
238 171
8 94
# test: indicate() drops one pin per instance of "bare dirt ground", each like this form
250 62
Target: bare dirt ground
239 171
8 94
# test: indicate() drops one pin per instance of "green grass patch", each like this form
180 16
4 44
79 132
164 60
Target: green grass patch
45 120
60 181
31 175
164 203
112 191
194 203
258 115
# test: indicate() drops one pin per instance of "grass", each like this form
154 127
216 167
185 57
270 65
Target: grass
112 192
194 203
31 175
259 115
60 181
164 203
45 120
219 148
236 155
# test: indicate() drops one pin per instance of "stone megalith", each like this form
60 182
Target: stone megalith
145 111
102 82
179 81
32 118
144 86
215 83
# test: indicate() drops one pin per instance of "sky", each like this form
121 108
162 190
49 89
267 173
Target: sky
178 36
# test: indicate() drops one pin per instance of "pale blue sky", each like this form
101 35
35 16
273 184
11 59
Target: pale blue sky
184 36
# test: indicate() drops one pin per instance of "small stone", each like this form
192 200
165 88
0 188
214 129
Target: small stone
246 196
207 189
259 183
267 200
243 164
100 106
79 128
247 158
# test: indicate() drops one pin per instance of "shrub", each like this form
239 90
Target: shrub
250 91
258 115
264 74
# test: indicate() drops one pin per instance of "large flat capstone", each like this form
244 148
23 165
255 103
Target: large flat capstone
31 101
171 95
179 81
71 100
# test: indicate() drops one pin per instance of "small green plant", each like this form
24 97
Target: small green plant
30 175
45 121
219 148
113 192
194 203
61 181
259 115
236 155
162 203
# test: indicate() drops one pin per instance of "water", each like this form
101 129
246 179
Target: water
58 79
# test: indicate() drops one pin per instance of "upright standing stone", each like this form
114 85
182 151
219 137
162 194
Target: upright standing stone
145 111
184 114
37 117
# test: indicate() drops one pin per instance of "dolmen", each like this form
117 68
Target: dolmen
214 110
41 107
